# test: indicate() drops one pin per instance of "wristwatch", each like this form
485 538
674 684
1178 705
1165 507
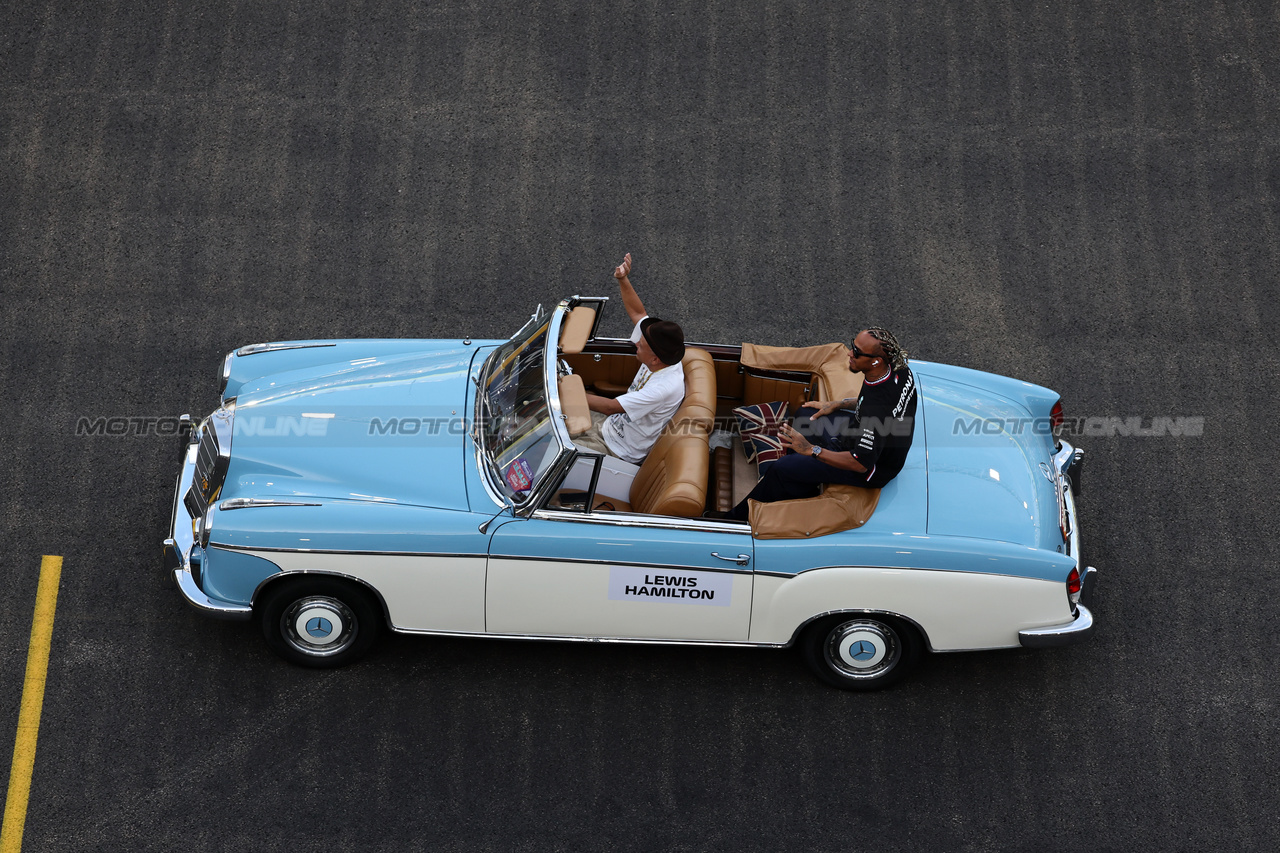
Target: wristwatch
816 451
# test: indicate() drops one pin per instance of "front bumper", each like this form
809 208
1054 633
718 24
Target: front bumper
177 548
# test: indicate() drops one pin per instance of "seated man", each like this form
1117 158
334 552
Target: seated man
862 442
628 426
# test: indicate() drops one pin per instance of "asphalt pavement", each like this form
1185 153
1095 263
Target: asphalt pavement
1082 195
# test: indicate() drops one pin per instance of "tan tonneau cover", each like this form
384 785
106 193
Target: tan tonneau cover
830 362
837 508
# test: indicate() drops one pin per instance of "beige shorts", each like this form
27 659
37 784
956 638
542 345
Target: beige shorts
593 439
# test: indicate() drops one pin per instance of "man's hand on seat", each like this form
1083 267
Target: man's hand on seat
824 408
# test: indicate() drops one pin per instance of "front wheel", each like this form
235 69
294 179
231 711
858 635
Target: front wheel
319 622
861 652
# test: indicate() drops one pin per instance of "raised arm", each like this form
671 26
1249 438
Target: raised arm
630 299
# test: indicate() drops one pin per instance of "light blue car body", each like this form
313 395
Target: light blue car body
366 447
419 493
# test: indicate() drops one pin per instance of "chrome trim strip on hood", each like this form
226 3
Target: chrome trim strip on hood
253 349
247 503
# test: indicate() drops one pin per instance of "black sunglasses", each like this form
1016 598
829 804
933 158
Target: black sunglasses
857 353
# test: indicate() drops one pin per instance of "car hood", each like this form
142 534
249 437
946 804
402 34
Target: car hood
986 467
382 429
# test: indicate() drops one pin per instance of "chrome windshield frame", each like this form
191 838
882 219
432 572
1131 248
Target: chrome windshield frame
551 361
545 485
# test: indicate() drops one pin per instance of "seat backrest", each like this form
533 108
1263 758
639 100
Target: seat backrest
699 378
673 478
698 411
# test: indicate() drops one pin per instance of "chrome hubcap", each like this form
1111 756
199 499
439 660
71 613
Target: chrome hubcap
319 626
862 648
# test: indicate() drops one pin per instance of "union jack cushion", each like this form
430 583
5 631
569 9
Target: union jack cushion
758 425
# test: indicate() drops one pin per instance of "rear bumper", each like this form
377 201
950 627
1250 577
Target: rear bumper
1068 462
1076 631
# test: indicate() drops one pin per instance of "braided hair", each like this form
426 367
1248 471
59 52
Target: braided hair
893 351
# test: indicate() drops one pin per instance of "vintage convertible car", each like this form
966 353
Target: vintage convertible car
347 487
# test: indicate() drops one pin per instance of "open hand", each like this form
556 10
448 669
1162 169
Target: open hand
794 440
624 268
824 409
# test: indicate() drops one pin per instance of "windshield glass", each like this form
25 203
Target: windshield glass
515 415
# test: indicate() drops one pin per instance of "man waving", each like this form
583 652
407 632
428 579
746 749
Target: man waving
628 426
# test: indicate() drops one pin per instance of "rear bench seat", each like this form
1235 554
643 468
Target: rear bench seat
829 379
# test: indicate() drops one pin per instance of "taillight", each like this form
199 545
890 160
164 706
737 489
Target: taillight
1056 417
1073 587
1073 582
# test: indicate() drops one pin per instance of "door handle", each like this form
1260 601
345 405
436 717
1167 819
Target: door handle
741 559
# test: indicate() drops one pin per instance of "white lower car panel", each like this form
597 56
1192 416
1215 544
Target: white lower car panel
421 593
568 599
957 610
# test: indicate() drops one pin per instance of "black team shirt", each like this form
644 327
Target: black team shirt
883 424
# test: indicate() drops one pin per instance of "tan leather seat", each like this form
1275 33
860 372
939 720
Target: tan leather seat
699 378
673 478
698 411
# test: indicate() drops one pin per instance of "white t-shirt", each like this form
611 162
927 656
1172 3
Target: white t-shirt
646 407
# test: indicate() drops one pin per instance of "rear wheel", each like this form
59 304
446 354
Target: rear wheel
319 621
861 652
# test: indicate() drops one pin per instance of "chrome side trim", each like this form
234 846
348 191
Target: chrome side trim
589 562
253 349
559 638
667 522
247 548
247 503
1076 631
788 576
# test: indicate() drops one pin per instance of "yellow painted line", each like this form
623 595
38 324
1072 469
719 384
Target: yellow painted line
24 746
